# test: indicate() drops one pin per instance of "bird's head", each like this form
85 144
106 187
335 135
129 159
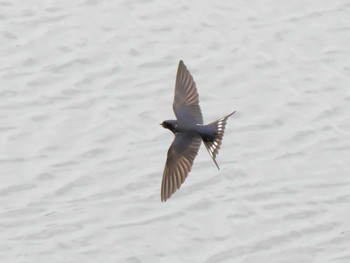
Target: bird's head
171 125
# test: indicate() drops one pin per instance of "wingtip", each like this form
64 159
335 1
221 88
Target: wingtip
163 199
180 68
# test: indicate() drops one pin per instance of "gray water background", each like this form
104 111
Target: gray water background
84 85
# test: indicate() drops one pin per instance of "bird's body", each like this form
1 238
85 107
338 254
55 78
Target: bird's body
189 132
204 131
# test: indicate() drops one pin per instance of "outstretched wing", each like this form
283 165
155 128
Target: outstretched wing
180 158
186 102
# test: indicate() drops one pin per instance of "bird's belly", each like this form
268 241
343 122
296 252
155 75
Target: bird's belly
206 131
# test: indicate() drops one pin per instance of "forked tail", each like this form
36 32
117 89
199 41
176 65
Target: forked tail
213 144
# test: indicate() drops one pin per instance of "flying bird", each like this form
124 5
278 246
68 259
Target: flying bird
189 132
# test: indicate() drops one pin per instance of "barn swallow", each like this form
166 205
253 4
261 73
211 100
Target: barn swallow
189 132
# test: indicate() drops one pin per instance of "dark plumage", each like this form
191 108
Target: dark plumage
189 132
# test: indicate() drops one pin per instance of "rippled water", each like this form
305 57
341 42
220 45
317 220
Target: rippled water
84 85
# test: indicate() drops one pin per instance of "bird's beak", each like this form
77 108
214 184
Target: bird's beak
160 124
